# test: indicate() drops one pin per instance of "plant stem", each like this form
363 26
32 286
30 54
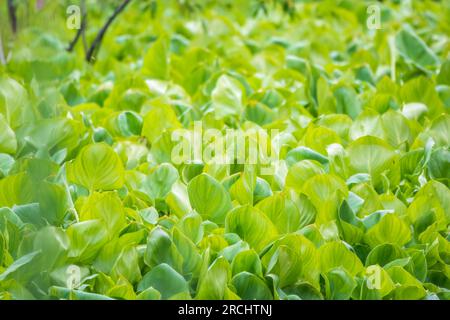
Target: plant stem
12 15
393 54
98 39
80 31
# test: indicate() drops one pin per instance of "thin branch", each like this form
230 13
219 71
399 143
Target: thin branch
85 44
12 15
98 39
81 30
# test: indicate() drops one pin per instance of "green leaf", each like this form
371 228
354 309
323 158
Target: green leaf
86 239
304 153
164 279
227 97
390 229
293 258
242 190
97 167
444 74
178 200
64 293
325 192
336 254
250 287
439 165
8 141
17 265
251 225
282 211
209 198
385 253
159 183
339 284
191 258
15 105
347 102
248 261
414 49
301 171
191 225
422 90
407 287
152 130
161 249
6 163
372 156
376 278
214 283
156 60
130 123
106 207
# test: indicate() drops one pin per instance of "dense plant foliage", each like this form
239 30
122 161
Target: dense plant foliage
93 206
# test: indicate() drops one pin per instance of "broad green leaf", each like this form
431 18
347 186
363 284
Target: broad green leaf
293 258
336 254
390 229
414 49
161 249
339 284
178 200
252 225
8 141
156 60
149 294
373 156
159 182
15 104
407 287
250 287
347 102
97 167
49 199
106 207
378 279
68 294
86 239
301 171
227 97
188 250
164 279
282 211
422 90
214 283
18 264
325 192
152 130
385 253
209 198
304 153
248 261
191 225
243 189
129 123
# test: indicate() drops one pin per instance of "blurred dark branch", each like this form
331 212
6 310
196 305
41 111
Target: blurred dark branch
12 15
81 30
95 46
85 45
